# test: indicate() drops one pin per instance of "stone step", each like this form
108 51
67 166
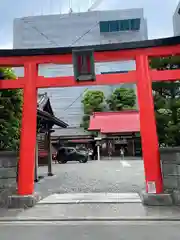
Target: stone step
98 212
92 198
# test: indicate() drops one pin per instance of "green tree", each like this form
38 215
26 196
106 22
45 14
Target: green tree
167 102
122 98
10 113
93 101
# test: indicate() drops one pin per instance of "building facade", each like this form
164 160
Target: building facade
176 21
78 29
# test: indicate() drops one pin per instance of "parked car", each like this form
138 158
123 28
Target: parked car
66 154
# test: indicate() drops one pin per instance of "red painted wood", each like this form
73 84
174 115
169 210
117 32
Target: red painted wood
148 125
12 84
107 56
106 79
161 51
28 133
103 79
20 61
131 54
165 75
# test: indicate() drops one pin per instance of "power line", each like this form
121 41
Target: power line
84 34
76 99
40 32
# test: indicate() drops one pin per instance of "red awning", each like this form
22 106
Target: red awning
115 122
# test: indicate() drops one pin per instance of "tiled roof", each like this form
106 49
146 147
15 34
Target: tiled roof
115 122
42 100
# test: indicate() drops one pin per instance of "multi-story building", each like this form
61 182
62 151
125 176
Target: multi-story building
78 29
176 21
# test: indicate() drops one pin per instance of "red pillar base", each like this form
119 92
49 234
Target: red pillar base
150 199
19 201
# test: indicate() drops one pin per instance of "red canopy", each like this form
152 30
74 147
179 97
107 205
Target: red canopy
115 122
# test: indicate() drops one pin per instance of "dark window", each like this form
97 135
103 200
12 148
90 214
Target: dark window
120 25
104 26
179 11
124 25
135 24
114 26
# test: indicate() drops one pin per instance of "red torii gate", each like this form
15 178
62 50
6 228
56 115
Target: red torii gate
142 76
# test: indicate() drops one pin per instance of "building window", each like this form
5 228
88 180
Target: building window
120 25
104 26
114 26
124 25
135 24
179 11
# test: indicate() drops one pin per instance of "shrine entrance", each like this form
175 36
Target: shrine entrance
140 52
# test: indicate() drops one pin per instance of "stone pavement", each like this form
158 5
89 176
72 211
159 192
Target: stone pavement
91 230
113 176
97 190
95 207
95 212
91 198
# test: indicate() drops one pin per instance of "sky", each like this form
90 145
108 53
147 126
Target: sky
159 13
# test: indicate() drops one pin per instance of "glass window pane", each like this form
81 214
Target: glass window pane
124 25
114 26
135 24
104 26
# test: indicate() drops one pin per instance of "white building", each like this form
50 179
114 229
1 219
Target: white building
176 21
78 29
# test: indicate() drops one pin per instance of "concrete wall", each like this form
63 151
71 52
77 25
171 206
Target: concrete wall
170 159
8 171
176 21
75 29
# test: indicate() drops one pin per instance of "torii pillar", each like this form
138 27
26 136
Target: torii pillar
26 196
150 147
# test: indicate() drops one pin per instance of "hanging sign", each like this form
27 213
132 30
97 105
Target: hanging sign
83 64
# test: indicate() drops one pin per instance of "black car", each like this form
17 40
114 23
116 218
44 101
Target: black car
66 154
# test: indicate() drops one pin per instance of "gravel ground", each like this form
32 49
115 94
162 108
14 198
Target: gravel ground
94 176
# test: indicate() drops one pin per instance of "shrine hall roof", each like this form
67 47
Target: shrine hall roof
98 48
115 122
44 110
